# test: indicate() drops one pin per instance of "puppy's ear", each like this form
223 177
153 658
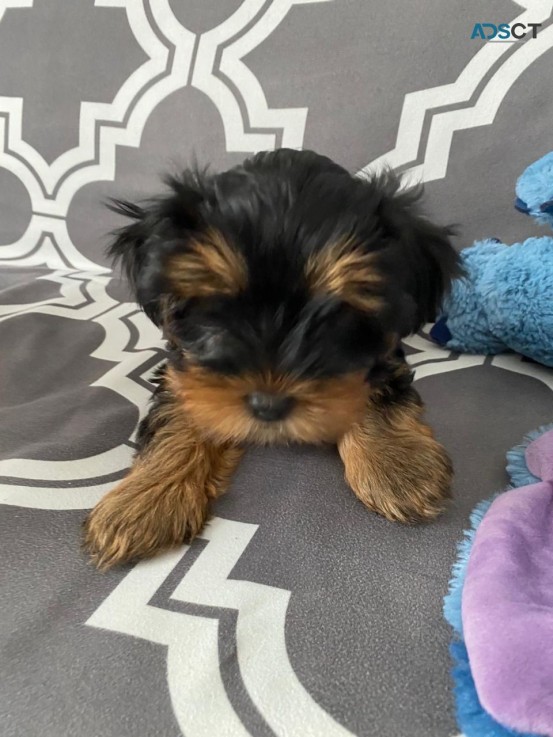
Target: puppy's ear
419 254
160 228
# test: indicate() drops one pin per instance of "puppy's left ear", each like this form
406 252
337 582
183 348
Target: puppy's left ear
419 254
158 228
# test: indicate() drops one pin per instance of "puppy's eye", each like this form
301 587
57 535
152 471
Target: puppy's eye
210 344
202 341
214 349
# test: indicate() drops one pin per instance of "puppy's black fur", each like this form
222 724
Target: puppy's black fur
278 210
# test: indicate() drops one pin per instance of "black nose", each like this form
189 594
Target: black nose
269 407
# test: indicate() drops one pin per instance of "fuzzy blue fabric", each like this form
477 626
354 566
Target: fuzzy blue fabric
534 190
505 300
452 601
472 718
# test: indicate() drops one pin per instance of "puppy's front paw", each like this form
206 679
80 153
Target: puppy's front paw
129 524
407 480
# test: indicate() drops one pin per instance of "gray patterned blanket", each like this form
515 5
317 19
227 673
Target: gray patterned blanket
297 612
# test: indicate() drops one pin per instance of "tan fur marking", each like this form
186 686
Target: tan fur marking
324 410
394 465
344 270
210 267
165 497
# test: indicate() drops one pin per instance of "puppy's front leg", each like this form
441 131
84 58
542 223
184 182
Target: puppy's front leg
165 498
393 463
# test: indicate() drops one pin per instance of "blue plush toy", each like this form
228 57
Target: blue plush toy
505 301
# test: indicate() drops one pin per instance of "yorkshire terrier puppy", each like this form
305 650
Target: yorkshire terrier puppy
283 288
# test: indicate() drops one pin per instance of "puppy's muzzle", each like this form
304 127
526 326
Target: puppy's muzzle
269 407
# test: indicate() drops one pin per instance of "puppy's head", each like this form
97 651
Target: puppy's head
282 285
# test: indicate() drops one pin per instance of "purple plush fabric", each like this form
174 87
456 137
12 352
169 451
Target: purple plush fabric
507 603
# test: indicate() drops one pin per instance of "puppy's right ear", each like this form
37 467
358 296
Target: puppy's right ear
159 229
